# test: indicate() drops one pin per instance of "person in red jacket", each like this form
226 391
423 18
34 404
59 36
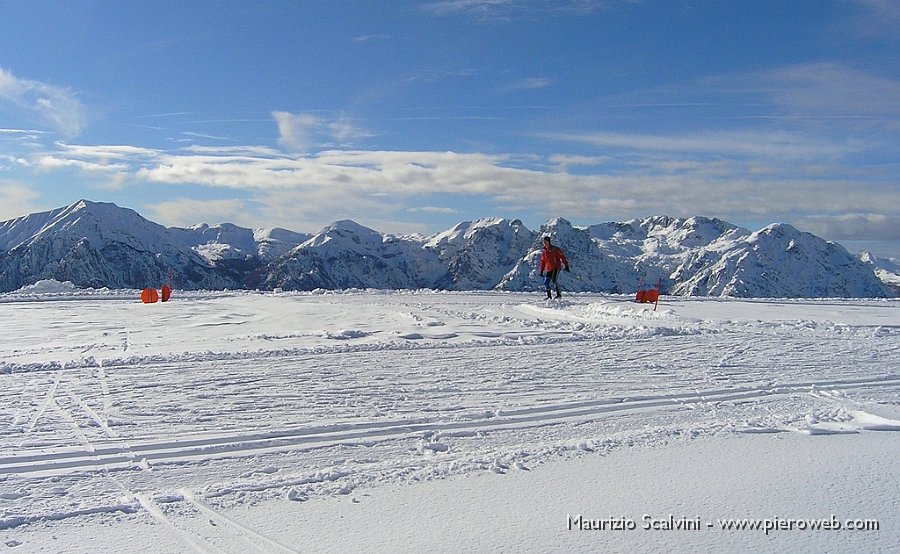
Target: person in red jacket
552 260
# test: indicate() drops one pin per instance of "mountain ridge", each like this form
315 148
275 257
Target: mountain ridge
99 244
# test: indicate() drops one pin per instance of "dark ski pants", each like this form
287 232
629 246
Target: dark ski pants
550 278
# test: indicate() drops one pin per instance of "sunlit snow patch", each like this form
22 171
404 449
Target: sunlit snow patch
48 286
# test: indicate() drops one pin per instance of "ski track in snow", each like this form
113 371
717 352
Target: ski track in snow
225 400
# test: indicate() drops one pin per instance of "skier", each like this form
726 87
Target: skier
552 260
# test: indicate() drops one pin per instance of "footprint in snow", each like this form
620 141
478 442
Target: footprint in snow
436 447
296 496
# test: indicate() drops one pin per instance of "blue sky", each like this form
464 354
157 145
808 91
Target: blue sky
412 116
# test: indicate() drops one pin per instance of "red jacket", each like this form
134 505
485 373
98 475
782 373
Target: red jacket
553 258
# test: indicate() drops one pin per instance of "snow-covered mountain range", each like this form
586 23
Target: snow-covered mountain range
102 245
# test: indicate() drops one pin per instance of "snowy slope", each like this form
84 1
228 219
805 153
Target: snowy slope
777 258
347 255
229 241
450 422
98 244
886 269
273 242
95 221
656 246
477 254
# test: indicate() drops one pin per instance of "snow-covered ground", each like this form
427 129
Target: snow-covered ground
422 421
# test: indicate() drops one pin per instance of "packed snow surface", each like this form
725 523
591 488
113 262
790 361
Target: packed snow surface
422 421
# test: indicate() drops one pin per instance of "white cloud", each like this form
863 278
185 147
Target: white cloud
878 19
345 130
189 211
432 76
820 95
469 7
111 159
301 133
191 135
55 162
245 150
738 177
17 200
742 143
841 227
295 130
433 210
831 89
369 182
28 133
564 161
531 83
827 99
371 38
43 104
117 181
312 208
488 10
107 152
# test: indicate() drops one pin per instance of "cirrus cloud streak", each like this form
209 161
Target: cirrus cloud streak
53 107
